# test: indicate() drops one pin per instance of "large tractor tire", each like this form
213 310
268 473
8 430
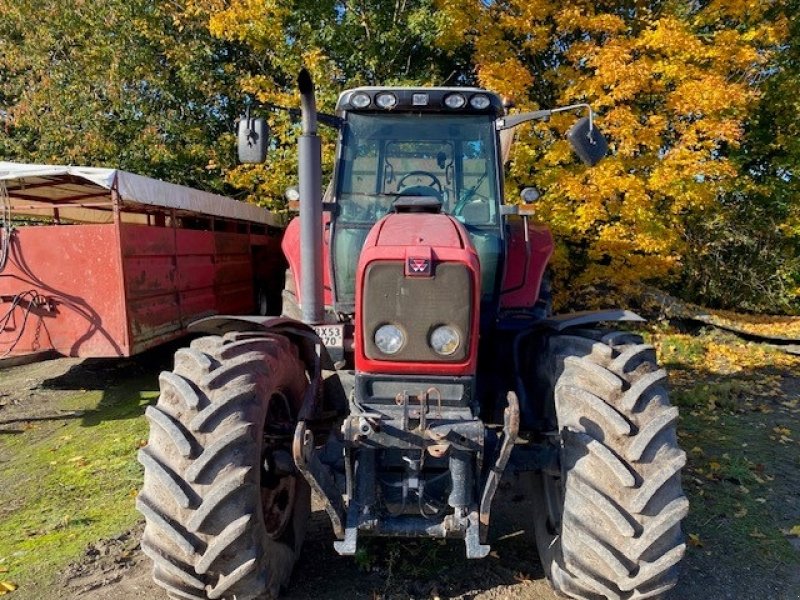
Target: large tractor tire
609 525
225 510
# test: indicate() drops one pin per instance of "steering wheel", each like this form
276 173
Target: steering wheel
434 183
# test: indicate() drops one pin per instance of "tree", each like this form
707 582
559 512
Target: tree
118 83
673 84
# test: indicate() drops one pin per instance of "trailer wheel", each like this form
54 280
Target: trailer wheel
225 511
609 525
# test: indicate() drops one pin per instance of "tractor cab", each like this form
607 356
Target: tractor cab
436 145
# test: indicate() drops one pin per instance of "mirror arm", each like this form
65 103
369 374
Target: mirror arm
514 120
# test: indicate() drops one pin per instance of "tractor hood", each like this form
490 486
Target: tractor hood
419 230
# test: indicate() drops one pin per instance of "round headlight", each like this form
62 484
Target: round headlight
455 101
480 101
386 100
360 100
445 340
389 339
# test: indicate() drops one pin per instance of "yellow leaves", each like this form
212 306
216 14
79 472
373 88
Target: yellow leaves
258 23
6 587
462 18
670 96
508 77
763 325
709 95
782 434
695 541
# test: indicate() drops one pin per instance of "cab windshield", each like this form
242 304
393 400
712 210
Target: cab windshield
447 157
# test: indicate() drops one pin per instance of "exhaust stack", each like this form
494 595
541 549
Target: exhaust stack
310 178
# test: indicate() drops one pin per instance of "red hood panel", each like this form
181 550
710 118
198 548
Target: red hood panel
419 230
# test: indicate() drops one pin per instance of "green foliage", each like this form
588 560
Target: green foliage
743 255
747 255
117 83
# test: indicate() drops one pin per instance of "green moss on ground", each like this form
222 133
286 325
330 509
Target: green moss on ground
70 480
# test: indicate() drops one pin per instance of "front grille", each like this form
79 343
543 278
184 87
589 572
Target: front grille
417 305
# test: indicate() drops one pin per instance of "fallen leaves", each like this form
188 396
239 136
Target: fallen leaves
6 587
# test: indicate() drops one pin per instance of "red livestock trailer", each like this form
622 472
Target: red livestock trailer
102 263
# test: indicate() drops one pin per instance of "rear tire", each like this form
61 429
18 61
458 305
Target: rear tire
218 522
609 526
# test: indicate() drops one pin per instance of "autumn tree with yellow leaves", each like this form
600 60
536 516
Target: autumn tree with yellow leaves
673 83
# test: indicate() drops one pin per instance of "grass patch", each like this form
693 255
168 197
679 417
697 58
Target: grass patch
70 480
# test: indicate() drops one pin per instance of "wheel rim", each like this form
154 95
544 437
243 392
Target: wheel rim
277 504
554 501
278 484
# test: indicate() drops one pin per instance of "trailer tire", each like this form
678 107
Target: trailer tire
225 512
609 525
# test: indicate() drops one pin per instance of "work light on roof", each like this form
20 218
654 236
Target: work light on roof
386 100
479 101
360 100
419 100
455 101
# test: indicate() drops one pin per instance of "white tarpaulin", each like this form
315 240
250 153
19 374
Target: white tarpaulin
32 188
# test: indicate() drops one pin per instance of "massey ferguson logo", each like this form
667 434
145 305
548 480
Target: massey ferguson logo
419 266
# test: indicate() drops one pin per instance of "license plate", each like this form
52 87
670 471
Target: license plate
331 335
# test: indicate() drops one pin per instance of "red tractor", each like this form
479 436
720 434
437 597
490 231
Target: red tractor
415 362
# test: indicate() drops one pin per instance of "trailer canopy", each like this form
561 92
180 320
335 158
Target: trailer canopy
91 195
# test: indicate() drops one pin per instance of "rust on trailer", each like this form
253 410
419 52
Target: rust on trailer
132 280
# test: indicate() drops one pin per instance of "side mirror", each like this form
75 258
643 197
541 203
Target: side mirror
252 139
587 142
529 195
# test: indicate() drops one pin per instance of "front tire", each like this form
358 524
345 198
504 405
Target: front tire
609 525
225 512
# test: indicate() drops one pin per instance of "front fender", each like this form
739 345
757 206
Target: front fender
534 335
587 317
312 349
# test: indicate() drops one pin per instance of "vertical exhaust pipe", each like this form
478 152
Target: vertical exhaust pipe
309 161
